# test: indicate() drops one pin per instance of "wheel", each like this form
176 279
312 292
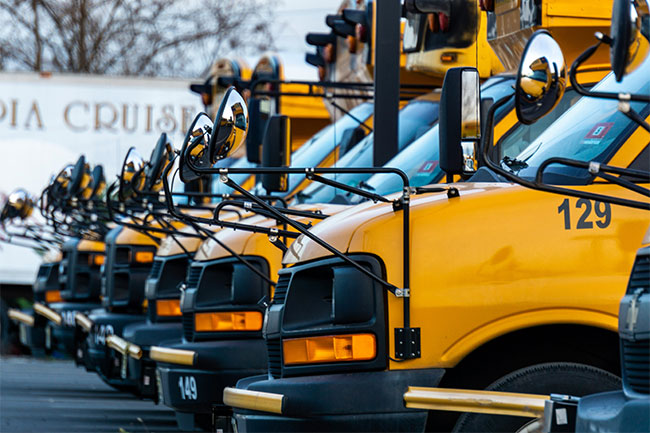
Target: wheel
552 378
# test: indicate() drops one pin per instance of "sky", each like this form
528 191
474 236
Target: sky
296 18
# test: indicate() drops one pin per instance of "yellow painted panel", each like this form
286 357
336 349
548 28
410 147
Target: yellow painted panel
507 263
87 245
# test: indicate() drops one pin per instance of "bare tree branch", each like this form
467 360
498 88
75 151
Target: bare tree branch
130 37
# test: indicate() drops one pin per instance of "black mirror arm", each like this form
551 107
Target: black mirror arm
37 246
596 94
347 188
139 227
405 199
537 184
279 216
209 221
248 227
255 208
239 257
603 171
625 108
251 207
27 235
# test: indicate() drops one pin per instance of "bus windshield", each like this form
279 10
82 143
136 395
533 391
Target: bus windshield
592 130
420 160
317 148
415 119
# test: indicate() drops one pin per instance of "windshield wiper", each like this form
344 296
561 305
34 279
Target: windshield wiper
303 196
514 164
366 185
359 121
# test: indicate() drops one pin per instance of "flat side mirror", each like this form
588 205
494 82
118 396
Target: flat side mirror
629 47
132 176
541 79
460 121
276 152
161 155
79 178
230 126
98 182
259 111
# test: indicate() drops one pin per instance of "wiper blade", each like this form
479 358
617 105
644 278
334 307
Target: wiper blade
366 185
303 196
514 164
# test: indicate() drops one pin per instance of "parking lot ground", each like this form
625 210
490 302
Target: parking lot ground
55 396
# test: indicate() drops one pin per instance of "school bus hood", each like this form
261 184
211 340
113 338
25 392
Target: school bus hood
92 246
359 228
249 243
179 244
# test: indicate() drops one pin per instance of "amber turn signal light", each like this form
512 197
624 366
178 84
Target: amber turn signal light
53 296
330 348
228 321
168 307
448 57
143 257
96 260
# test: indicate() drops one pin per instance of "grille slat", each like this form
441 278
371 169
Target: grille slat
194 276
636 365
640 278
280 293
273 348
156 269
188 326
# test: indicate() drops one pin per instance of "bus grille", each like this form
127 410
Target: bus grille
636 365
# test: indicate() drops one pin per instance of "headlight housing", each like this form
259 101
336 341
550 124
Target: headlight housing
221 299
326 316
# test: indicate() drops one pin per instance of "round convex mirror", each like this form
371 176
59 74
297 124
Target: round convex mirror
231 126
194 151
541 79
18 204
161 155
131 177
629 47
59 185
98 182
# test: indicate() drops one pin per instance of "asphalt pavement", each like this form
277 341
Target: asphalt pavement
40 395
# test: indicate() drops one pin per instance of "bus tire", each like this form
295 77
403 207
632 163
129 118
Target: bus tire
550 378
